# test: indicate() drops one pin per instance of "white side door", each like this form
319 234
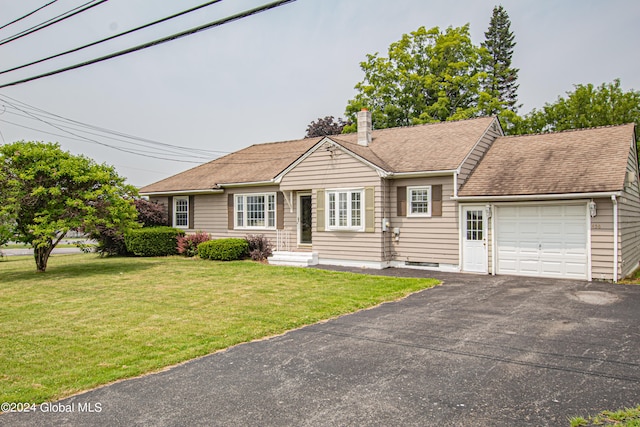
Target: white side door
474 239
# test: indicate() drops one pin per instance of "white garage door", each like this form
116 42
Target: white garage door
545 241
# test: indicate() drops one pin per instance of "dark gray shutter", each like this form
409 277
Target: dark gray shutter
230 221
402 201
279 210
170 211
436 200
191 209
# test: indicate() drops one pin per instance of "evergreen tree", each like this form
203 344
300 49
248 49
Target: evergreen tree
501 77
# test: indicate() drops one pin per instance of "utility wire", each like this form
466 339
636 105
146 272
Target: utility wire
111 37
27 15
52 116
55 20
103 144
176 36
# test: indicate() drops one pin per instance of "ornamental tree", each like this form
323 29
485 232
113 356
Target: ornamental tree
47 192
325 126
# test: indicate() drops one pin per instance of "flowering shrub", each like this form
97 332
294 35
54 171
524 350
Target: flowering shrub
188 245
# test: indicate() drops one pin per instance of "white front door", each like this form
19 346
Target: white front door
474 239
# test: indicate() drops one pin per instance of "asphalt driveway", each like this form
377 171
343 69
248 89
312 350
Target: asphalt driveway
476 351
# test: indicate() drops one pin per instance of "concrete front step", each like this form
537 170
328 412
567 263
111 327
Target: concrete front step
297 259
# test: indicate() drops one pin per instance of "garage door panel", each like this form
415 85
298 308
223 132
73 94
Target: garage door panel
550 267
545 240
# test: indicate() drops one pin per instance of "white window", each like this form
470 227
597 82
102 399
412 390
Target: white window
419 200
344 210
255 210
181 212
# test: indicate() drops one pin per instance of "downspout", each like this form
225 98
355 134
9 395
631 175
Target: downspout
615 237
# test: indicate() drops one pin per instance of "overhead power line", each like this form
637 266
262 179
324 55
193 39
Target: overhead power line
148 148
176 36
54 20
111 37
27 15
35 111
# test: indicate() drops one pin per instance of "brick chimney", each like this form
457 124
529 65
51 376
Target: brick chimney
364 127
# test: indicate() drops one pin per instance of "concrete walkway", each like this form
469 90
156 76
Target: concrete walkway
476 351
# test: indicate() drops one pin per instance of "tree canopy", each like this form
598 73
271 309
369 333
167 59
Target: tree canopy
428 76
46 192
586 106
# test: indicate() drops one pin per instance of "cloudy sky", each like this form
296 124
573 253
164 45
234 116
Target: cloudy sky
266 77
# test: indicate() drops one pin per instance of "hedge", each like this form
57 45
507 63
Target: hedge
153 241
229 249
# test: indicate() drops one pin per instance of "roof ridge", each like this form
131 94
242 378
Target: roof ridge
555 132
434 123
280 142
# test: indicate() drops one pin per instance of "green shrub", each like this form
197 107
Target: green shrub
224 249
153 241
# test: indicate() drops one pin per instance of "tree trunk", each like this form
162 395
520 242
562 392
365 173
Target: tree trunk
41 256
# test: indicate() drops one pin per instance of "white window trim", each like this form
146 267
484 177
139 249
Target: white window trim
175 212
349 191
245 219
429 201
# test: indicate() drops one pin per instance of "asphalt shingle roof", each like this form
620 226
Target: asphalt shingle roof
430 147
577 161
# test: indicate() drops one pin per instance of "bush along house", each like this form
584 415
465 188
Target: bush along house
451 196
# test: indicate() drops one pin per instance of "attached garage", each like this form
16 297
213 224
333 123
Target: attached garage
542 240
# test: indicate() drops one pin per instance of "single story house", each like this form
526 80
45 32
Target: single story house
452 196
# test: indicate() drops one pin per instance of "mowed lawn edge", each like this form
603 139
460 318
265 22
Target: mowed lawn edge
89 321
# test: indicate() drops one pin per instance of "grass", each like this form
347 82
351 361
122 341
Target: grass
89 321
632 279
628 417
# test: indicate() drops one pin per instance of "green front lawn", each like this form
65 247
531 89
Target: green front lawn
629 417
89 321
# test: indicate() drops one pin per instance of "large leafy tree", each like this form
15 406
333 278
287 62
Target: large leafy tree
501 80
586 106
428 76
47 192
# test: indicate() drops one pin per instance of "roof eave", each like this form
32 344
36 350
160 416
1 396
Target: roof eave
421 174
181 192
526 197
248 184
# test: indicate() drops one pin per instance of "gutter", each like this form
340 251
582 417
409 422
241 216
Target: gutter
525 197
421 174
182 192
249 184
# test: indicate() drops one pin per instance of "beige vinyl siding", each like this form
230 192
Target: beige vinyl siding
210 213
424 239
629 218
477 153
323 171
602 241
